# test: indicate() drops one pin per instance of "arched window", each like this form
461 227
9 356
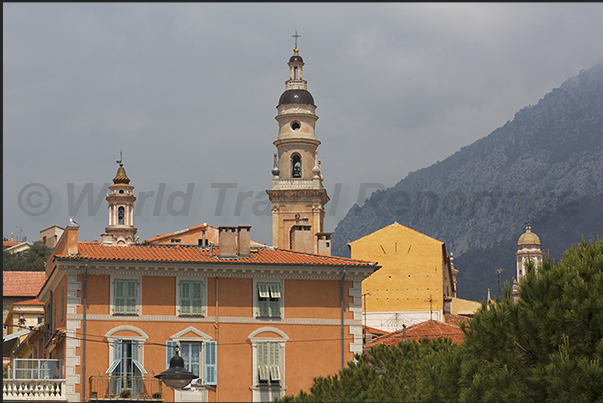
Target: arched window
120 216
296 166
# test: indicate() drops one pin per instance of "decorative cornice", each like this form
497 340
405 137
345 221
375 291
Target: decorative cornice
221 319
297 272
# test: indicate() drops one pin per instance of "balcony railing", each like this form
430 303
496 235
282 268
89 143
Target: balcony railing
33 389
109 387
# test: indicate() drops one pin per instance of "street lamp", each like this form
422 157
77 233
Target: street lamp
176 376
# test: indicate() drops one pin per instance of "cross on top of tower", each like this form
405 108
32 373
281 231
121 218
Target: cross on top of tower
296 36
120 162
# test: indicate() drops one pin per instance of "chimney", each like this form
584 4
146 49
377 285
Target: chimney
244 240
323 240
227 242
71 230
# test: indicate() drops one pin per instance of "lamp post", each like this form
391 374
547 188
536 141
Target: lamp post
176 376
498 279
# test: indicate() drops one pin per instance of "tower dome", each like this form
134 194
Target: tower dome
528 237
296 97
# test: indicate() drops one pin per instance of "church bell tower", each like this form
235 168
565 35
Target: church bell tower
121 229
297 196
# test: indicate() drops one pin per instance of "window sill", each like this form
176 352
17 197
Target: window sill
126 314
268 387
269 317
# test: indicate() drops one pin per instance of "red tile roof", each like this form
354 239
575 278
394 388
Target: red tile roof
22 283
34 301
158 237
194 254
430 328
454 319
9 244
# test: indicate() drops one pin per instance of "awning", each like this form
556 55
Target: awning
10 342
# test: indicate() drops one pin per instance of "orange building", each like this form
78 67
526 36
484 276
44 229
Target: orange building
254 323
253 326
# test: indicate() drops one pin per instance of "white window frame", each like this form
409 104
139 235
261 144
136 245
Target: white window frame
141 338
203 280
256 305
196 393
138 294
255 340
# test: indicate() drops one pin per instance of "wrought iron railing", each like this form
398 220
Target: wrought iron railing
102 387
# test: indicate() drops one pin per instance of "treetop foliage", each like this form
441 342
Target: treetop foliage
32 259
547 346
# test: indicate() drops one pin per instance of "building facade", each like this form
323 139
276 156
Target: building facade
416 282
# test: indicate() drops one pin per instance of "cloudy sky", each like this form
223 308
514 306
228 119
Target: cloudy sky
188 93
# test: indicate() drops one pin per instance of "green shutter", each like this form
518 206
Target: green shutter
116 356
132 296
274 352
211 363
263 291
119 305
263 362
135 357
197 298
185 300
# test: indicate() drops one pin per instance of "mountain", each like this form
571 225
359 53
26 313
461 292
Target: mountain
545 166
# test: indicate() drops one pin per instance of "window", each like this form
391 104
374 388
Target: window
268 350
126 370
268 300
200 356
269 363
296 166
125 296
190 297
120 216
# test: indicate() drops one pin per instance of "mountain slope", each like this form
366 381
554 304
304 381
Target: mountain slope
545 166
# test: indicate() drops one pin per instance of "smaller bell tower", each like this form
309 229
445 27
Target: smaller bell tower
528 248
121 229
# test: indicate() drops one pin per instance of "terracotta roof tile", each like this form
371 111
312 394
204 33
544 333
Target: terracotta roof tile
8 244
34 301
193 254
22 283
454 319
430 329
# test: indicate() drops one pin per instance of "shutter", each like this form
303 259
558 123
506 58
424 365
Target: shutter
170 351
185 300
263 291
197 298
275 290
275 363
131 299
263 358
54 312
264 308
135 357
275 309
120 301
116 356
211 363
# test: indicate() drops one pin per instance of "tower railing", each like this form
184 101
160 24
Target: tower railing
296 183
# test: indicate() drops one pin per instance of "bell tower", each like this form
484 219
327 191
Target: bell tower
121 229
297 196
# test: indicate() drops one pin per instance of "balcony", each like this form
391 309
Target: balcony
110 387
34 379
33 389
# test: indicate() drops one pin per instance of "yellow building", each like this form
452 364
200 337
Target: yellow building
416 282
